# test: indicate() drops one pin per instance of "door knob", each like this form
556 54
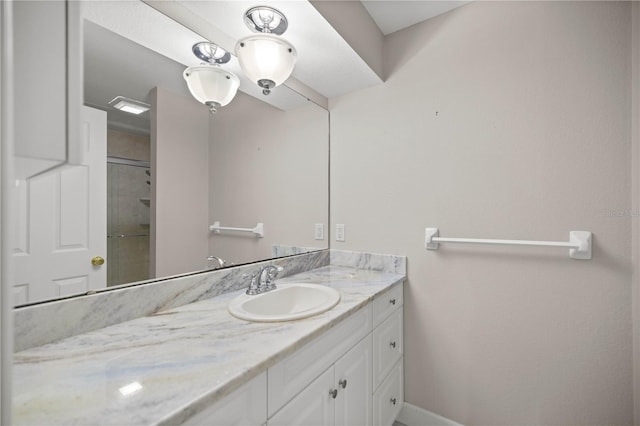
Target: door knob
333 393
97 261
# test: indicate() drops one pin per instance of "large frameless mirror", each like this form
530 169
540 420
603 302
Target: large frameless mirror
159 189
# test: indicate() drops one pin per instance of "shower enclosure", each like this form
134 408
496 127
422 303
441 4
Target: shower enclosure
128 189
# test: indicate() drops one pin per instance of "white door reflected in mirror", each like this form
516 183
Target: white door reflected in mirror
61 222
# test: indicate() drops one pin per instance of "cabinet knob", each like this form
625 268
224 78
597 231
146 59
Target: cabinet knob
343 383
333 393
393 401
392 301
392 344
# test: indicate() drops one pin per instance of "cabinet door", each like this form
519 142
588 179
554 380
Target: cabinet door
313 406
290 376
353 379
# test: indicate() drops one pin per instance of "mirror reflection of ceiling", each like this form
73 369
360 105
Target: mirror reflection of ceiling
326 62
114 66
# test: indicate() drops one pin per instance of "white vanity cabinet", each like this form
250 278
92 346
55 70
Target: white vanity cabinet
328 380
388 357
339 396
352 374
312 379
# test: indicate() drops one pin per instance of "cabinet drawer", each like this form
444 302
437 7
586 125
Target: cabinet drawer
387 401
246 406
386 303
387 346
289 376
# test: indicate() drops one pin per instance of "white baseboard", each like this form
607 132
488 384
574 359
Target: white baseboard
412 415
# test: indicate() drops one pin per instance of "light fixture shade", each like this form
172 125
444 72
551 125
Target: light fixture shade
266 57
211 85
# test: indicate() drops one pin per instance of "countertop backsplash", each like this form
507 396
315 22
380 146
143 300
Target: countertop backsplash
48 322
388 263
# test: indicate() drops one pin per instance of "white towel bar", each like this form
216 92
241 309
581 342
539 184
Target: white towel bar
579 242
258 230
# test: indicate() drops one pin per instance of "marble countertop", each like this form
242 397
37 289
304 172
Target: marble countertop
182 359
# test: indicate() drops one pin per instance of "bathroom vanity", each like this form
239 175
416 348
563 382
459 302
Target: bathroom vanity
349 375
198 365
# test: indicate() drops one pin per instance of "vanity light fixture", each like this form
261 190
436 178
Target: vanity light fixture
129 105
266 58
208 82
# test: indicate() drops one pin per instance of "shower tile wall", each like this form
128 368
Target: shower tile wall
128 145
128 209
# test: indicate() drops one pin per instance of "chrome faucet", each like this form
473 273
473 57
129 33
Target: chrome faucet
221 263
263 280
268 275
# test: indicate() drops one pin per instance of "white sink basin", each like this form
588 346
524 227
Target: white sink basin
285 303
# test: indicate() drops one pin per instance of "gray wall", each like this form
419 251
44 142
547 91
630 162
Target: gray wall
635 109
502 120
269 166
248 163
179 184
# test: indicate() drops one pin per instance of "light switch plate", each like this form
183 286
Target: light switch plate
340 232
319 231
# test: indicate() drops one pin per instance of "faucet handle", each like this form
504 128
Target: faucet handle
254 285
273 271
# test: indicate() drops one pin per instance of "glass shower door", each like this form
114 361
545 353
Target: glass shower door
128 213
